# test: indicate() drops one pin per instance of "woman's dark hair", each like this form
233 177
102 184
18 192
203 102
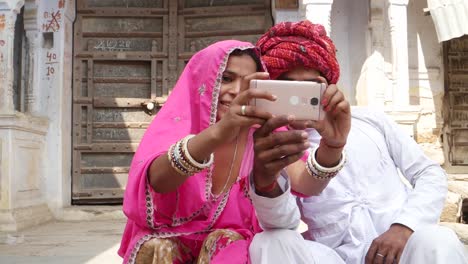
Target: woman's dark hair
250 52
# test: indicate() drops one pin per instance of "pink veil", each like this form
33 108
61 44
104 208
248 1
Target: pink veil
190 108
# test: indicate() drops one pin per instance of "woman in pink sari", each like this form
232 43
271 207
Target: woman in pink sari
187 196
180 208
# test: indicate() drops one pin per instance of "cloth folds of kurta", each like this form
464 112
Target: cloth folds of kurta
191 212
368 195
361 203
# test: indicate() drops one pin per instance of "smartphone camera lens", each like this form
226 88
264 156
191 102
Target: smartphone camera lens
314 101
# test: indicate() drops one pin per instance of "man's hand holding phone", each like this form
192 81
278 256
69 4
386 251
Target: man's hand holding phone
276 150
334 128
332 119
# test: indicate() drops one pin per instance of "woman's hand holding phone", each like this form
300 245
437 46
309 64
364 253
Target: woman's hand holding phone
241 114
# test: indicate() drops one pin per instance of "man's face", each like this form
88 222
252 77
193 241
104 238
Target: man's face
300 73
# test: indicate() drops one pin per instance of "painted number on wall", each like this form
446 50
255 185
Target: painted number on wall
52 21
50 61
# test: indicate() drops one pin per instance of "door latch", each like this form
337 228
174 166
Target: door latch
150 107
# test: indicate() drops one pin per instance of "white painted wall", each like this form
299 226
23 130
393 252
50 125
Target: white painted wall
55 70
426 70
349 23
37 143
350 32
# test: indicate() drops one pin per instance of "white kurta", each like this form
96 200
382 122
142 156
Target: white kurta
368 195
280 242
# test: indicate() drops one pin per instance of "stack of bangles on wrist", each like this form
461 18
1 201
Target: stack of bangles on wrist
182 161
323 173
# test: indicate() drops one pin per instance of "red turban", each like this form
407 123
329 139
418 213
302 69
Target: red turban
287 45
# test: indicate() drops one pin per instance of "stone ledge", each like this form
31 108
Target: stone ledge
452 208
21 218
24 122
404 114
460 187
406 117
458 177
90 213
460 229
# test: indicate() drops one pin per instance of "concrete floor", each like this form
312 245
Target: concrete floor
64 242
89 242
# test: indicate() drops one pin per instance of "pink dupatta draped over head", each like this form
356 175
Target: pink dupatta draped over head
192 211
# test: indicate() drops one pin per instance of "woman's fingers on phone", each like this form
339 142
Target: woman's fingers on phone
257 76
254 76
252 111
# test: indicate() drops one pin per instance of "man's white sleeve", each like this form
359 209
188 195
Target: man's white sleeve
426 199
276 213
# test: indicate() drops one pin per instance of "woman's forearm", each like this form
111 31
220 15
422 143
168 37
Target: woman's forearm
164 178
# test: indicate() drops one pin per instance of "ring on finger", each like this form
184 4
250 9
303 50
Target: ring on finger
243 110
380 255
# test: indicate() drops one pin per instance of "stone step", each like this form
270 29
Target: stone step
460 229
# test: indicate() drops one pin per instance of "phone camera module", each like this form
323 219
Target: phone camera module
314 101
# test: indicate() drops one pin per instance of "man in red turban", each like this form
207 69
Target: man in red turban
365 214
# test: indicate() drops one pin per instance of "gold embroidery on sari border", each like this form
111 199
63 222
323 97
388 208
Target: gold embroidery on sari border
208 181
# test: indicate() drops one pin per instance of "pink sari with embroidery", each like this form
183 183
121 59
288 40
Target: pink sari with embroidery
192 211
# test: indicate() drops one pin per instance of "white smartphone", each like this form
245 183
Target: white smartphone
301 99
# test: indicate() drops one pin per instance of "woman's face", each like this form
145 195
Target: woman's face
237 68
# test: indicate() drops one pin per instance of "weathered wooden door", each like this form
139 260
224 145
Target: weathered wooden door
456 88
127 57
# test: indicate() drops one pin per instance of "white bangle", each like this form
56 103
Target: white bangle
201 166
320 168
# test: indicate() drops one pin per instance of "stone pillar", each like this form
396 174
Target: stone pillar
8 13
22 137
373 70
55 56
319 12
399 39
400 110
32 104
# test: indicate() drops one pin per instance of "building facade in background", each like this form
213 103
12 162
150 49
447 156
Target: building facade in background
80 81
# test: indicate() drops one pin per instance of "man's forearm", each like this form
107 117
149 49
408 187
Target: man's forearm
328 157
